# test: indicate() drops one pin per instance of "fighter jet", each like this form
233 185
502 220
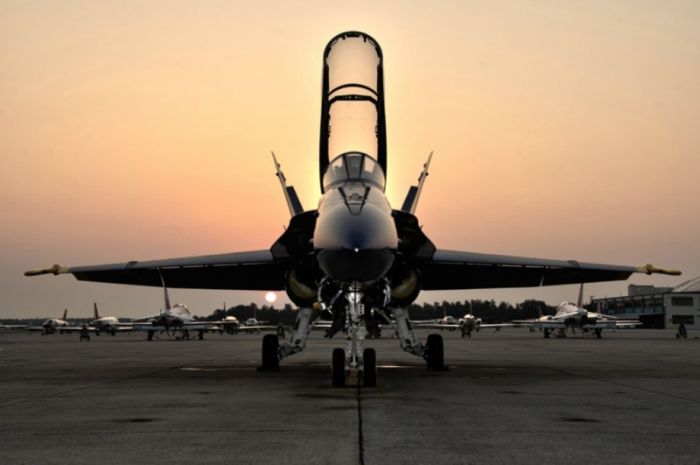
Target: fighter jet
354 256
571 316
173 317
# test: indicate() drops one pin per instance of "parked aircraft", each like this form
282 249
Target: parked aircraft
570 316
173 317
467 324
230 324
354 256
52 325
253 324
107 324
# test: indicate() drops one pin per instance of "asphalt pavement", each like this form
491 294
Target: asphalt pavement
508 397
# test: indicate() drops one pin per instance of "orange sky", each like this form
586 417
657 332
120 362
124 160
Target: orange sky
131 131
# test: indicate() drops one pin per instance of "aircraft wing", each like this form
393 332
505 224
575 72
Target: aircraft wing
458 326
499 325
257 328
562 316
449 269
613 324
12 327
255 270
541 324
436 326
189 325
72 329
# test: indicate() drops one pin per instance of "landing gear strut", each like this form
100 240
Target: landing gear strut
273 351
355 364
433 351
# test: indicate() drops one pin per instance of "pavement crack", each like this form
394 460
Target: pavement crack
360 436
627 385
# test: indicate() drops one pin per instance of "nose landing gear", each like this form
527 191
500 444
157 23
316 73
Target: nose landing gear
354 365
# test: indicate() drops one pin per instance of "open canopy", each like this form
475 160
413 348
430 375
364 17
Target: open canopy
352 109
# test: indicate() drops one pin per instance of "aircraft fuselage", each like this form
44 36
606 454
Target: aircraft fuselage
355 235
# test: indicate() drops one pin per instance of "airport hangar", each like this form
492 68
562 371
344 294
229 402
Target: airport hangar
657 307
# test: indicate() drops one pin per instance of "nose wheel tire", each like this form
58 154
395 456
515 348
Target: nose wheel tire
369 374
270 358
338 367
435 352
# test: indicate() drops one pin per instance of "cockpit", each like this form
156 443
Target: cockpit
353 167
180 309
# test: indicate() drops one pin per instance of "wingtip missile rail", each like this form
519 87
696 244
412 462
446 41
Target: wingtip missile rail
651 269
55 269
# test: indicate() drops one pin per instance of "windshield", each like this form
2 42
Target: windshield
353 166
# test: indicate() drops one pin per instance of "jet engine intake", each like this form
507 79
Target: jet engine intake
300 287
405 286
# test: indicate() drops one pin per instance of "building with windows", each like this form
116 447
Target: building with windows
656 307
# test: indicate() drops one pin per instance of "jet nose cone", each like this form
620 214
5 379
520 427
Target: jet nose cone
355 266
355 247
339 228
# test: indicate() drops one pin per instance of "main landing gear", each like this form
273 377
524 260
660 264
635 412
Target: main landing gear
433 351
355 364
273 351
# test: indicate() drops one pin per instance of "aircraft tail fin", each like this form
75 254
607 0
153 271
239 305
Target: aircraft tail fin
65 314
290 195
411 201
579 302
97 314
166 297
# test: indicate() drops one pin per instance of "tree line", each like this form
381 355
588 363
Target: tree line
488 310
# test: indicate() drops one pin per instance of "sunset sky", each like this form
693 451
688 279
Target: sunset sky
141 130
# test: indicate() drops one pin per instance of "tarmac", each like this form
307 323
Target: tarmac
508 397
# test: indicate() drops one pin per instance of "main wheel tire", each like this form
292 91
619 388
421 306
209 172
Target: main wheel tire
369 374
435 352
270 358
338 367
